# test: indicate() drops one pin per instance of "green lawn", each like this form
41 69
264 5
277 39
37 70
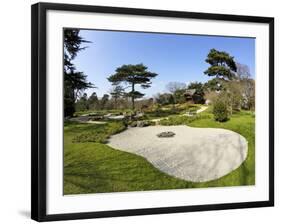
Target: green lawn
91 166
170 110
244 124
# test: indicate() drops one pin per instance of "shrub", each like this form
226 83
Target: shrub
180 120
150 123
174 120
221 110
99 133
162 113
133 124
142 123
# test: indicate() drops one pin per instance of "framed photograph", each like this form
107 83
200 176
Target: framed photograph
140 111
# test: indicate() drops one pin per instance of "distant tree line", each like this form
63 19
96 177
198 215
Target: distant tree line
177 93
126 77
107 102
231 84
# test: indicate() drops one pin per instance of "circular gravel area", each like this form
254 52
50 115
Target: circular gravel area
193 154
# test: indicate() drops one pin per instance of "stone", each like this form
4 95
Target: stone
133 124
118 117
139 115
166 134
141 124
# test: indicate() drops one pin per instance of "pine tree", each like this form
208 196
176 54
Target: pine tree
131 76
75 81
222 65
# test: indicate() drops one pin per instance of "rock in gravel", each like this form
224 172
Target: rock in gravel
166 134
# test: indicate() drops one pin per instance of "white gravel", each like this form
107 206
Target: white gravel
193 154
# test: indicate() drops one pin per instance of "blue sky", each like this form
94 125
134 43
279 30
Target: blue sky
175 58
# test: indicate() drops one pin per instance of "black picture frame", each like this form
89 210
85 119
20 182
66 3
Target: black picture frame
38 109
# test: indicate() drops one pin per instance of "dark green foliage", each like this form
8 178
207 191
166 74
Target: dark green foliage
93 101
132 75
116 93
147 123
198 96
213 85
140 123
221 110
74 81
68 102
196 85
99 132
165 99
132 124
180 120
179 96
222 65
161 112
72 44
82 104
134 95
104 100
234 94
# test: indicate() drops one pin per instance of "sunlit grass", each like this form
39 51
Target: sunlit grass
93 167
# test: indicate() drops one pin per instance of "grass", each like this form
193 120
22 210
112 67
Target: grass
180 120
244 124
103 169
93 167
170 110
95 133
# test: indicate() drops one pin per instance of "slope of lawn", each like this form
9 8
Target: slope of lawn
90 166
244 124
